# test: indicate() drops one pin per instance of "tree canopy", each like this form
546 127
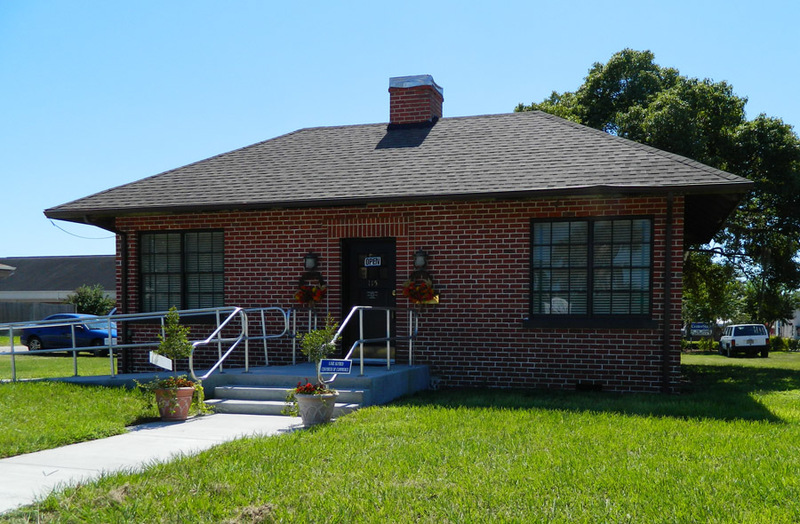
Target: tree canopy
633 97
92 300
711 291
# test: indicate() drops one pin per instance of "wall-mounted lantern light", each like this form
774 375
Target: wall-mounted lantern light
310 261
420 260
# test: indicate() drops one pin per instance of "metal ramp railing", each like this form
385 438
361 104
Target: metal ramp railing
224 317
413 330
231 331
216 338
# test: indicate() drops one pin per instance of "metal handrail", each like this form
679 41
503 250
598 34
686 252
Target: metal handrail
73 348
289 328
113 346
413 324
264 337
243 336
217 334
311 324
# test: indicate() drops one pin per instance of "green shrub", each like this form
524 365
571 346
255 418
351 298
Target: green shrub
793 344
707 344
777 343
174 344
318 343
703 344
92 300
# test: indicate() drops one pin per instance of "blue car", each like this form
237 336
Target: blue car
88 332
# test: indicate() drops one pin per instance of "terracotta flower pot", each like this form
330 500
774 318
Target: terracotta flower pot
174 403
316 409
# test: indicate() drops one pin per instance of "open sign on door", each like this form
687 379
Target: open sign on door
372 261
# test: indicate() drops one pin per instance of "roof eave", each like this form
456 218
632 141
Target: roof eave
104 217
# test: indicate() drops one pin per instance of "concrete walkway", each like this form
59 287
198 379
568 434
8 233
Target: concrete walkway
27 478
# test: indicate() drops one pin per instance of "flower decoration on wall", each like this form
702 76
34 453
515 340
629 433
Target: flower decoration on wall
310 294
311 287
419 291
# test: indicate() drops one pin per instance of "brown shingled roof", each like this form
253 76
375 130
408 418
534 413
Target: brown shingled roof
509 155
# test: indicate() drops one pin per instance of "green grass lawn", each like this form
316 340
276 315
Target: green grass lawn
53 365
44 414
6 341
50 365
723 451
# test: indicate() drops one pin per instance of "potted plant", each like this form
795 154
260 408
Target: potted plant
174 343
314 402
176 396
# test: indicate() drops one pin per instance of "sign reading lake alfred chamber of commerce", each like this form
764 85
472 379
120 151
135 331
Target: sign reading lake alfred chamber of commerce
335 366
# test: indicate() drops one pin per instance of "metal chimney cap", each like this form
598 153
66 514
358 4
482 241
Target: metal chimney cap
414 81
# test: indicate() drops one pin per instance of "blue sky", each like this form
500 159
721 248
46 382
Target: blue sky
94 94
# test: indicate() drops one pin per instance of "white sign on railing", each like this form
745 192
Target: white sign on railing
160 361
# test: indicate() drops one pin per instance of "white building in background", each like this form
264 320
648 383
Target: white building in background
789 329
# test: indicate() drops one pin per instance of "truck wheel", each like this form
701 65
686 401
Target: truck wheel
765 353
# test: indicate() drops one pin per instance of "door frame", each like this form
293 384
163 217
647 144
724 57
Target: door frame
348 247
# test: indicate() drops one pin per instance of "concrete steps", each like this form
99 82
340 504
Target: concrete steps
263 390
270 400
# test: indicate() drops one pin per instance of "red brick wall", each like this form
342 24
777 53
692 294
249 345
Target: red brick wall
410 105
479 256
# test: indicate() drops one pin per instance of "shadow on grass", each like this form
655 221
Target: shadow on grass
713 392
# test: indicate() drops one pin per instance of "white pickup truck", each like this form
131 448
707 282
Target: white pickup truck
750 339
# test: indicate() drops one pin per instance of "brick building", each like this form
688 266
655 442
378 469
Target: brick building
555 249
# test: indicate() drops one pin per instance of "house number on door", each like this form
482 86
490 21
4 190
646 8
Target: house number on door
372 283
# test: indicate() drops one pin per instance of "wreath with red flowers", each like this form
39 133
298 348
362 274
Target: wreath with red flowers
310 293
419 291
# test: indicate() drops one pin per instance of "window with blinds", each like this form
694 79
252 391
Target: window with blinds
181 269
596 267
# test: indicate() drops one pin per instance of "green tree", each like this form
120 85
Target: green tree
711 290
174 343
92 300
762 235
767 305
693 118
633 97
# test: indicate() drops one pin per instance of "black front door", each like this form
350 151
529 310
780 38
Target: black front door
369 279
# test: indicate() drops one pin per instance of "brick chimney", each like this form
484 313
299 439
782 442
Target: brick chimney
414 100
